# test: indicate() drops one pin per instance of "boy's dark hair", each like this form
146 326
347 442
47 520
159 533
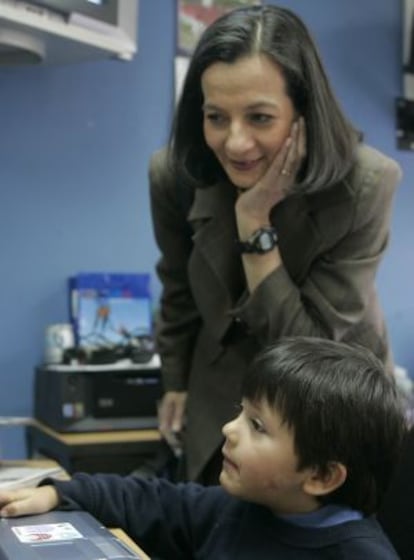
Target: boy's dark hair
279 34
341 405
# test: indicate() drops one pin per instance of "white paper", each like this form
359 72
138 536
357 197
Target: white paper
24 477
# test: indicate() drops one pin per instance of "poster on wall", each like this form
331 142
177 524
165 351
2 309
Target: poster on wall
405 104
408 48
193 16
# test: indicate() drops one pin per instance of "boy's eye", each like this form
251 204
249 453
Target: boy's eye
257 425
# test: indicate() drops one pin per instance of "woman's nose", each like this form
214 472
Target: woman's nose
239 139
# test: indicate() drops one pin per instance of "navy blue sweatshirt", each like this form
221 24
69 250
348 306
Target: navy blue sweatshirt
189 521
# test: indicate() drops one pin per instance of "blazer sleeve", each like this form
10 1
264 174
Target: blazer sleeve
178 321
338 291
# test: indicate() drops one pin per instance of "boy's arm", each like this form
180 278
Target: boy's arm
167 520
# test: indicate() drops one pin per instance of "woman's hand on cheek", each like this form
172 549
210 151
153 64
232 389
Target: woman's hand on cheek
255 204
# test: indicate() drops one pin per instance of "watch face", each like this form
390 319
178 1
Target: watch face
266 241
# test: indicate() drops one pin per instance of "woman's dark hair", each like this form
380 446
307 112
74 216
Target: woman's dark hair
282 36
341 405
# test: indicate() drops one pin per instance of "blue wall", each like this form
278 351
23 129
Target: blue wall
74 148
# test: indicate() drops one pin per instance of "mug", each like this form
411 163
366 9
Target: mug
58 338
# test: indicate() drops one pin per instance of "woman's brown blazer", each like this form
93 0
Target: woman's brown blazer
331 243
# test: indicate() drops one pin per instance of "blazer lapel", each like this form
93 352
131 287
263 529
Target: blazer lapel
298 236
297 221
213 222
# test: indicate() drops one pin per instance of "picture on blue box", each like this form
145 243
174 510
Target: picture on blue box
112 320
110 309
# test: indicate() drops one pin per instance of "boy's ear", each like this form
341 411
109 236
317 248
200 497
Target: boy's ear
320 483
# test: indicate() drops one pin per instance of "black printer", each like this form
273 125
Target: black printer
89 398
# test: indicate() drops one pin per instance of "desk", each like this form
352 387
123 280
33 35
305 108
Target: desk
118 452
132 545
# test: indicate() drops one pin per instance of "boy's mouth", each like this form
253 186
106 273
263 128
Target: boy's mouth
227 462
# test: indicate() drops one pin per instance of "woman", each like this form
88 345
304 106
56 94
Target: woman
271 217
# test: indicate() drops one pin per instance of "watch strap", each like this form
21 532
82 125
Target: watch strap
260 241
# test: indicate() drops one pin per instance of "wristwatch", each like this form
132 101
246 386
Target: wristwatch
261 241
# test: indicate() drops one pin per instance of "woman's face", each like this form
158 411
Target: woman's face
247 116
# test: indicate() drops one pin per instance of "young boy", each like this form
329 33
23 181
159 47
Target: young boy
306 463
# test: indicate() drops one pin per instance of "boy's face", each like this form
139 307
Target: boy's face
260 463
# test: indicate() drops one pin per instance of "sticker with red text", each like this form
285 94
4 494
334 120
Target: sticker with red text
50 532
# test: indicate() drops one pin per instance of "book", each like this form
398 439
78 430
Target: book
13 477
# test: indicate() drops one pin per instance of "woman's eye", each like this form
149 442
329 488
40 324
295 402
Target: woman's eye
215 118
260 118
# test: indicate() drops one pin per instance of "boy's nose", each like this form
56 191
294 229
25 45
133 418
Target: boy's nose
229 429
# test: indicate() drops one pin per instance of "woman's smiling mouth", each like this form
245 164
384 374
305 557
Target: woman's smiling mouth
245 165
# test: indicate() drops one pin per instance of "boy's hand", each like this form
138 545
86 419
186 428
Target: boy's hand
27 501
